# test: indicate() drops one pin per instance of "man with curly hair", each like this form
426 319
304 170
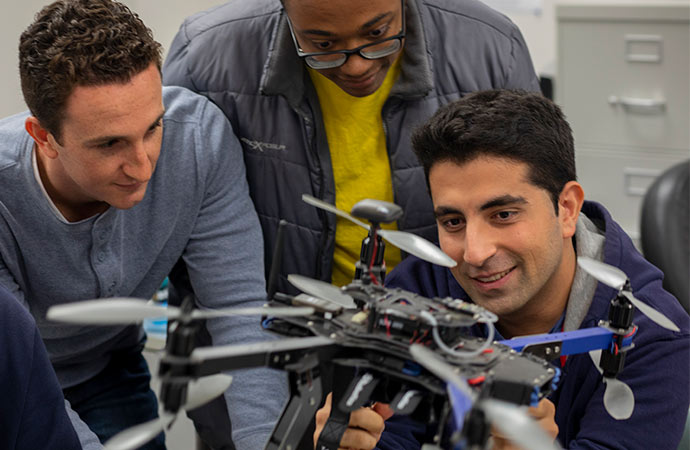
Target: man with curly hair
108 180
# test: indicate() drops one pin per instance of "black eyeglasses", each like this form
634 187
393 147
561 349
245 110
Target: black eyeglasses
374 50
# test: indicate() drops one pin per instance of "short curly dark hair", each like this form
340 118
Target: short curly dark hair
80 43
513 124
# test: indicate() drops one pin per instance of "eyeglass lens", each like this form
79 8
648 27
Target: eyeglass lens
374 51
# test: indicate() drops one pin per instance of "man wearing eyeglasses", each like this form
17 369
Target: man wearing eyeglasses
324 95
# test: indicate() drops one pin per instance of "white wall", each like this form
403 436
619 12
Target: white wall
162 16
165 16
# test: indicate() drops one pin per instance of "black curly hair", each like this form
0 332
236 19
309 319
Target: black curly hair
513 124
80 43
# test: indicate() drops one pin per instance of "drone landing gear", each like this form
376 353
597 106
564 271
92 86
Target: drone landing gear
306 396
351 391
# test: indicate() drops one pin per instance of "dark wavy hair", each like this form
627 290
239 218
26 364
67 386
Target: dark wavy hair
80 43
517 125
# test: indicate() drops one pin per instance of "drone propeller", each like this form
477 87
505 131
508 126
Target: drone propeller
123 310
507 418
199 391
411 243
139 435
516 425
619 399
321 289
617 279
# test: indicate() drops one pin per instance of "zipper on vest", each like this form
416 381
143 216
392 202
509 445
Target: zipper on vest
310 139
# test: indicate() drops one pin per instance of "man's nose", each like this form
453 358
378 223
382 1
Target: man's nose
139 165
480 244
356 66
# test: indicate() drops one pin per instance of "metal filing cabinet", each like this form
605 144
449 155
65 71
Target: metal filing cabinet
624 85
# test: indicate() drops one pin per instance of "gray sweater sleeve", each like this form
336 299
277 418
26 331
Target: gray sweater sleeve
87 438
224 257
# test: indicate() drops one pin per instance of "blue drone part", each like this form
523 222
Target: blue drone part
411 368
461 404
572 342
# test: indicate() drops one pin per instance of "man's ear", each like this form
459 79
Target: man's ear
569 206
44 140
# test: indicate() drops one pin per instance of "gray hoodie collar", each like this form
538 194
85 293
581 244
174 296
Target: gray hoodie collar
589 242
285 74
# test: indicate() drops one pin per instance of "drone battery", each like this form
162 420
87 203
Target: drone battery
401 326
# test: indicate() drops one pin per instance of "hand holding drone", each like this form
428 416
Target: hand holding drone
375 344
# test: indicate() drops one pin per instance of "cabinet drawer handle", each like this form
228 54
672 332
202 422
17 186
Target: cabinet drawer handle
637 180
646 105
643 48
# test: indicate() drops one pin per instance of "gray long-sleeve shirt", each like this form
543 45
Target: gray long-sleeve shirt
197 206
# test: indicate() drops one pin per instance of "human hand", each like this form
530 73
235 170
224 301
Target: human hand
364 429
544 413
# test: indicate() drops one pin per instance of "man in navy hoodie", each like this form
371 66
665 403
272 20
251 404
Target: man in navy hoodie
500 167
33 411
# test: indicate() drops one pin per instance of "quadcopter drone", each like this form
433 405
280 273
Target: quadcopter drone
367 343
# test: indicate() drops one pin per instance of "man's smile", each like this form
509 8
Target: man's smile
494 277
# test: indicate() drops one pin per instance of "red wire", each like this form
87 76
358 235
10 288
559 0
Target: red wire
419 339
388 325
632 332
476 380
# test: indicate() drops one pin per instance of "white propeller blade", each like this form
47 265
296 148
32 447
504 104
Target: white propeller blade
139 435
517 426
330 208
418 246
616 278
321 289
607 274
619 399
652 313
260 311
411 243
205 389
122 310
199 391
109 311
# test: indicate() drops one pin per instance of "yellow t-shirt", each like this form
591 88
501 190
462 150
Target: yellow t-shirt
361 169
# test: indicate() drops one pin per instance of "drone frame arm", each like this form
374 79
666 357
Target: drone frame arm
552 345
212 360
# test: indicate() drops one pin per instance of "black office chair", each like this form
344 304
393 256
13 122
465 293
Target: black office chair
665 227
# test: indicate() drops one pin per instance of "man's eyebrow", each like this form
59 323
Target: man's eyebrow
158 119
443 210
375 20
102 139
503 200
366 26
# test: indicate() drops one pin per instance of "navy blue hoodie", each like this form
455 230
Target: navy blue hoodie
33 414
657 368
